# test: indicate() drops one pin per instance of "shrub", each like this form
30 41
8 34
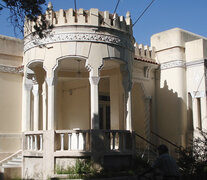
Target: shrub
193 159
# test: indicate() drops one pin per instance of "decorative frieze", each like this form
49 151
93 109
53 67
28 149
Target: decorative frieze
181 64
11 69
173 64
82 37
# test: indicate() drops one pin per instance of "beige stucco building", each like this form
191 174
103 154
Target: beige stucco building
84 90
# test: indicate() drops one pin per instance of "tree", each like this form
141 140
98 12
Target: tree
32 10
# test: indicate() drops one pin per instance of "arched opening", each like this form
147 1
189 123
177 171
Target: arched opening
72 95
36 96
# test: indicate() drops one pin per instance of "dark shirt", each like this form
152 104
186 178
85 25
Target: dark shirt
167 165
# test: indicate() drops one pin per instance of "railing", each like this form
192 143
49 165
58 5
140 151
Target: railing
171 146
145 148
80 140
70 140
33 141
118 140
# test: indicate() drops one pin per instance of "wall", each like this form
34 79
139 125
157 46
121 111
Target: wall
172 93
74 98
11 50
196 80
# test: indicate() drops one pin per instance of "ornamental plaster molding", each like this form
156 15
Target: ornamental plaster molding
198 94
94 80
11 69
195 63
82 37
173 64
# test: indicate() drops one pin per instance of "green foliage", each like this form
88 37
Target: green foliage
32 9
85 169
193 159
81 169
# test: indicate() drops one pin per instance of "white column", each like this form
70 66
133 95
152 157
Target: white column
94 80
26 99
129 112
51 103
127 85
44 106
35 92
203 113
195 113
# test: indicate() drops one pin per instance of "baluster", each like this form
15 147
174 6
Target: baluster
84 141
124 141
40 142
107 141
69 141
113 142
35 142
62 142
31 142
120 141
77 136
28 142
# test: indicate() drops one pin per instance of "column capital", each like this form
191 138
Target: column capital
94 80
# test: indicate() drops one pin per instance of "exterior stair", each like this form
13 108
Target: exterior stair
13 161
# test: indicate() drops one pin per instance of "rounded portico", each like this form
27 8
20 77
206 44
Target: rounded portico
77 87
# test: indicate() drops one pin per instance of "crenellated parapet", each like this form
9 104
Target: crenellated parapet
144 52
81 17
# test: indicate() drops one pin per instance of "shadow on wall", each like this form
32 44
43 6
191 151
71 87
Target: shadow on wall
173 116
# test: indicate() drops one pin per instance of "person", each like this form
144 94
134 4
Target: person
166 164
164 167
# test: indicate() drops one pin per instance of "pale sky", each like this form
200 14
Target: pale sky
190 15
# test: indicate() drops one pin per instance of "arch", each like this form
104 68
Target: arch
59 59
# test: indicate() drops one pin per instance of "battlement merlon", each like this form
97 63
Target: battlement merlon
144 52
92 17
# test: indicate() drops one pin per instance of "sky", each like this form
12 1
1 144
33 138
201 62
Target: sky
190 15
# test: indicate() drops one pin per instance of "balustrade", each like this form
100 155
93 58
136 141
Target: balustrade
119 140
70 140
34 141
80 140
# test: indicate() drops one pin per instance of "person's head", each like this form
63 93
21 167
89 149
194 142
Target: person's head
162 149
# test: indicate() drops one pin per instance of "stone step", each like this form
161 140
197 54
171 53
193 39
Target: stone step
13 161
11 165
17 160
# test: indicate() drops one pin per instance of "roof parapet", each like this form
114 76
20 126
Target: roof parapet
92 17
144 52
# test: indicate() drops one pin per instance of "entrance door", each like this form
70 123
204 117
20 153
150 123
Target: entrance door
104 112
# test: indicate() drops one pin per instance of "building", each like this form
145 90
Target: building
85 89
